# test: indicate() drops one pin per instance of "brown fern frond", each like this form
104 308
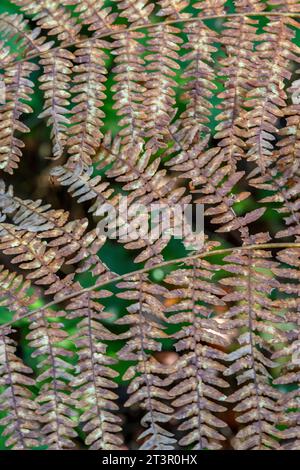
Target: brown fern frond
285 5
55 410
210 7
290 373
15 27
162 62
14 293
89 90
267 98
146 185
249 6
173 9
198 372
94 382
238 37
18 91
216 181
94 13
282 178
33 216
200 87
84 186
136 11
20 419
146 318
31 254
57 67
129 87
52 16
256 401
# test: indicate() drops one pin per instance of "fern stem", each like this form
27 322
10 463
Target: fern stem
153 25
184 259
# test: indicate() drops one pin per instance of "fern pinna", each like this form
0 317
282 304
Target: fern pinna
163 103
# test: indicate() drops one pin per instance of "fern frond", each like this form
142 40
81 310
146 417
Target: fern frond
94 383
14 293
84 186
173 9
200 73
146 318
31 254
267 98
16 400
256 401
93 13
286 5
290 353
198 372
247 6
18 91
162 62
55 410
15 27
89 90
216 182
136 11
57 67
210 7
51 15
238 37
129 87
33 216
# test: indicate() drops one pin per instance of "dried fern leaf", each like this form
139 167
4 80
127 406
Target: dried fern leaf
21 428
94 383
237 37
94 13
57 67
210 7
267 98
136 11
197 375
14 293
18 91
33 216
200 87
129 88
15 27
162 62
146 319
89 90
173 9
254 314
52 16
289 353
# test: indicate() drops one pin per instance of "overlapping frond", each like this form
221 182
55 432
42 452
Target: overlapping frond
94 383
18 91
55 406
89 90
151 106
162 62
257 319
94 13
16 399
57 67
267 97
197 375
52 16
146 319
129 88
290 373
